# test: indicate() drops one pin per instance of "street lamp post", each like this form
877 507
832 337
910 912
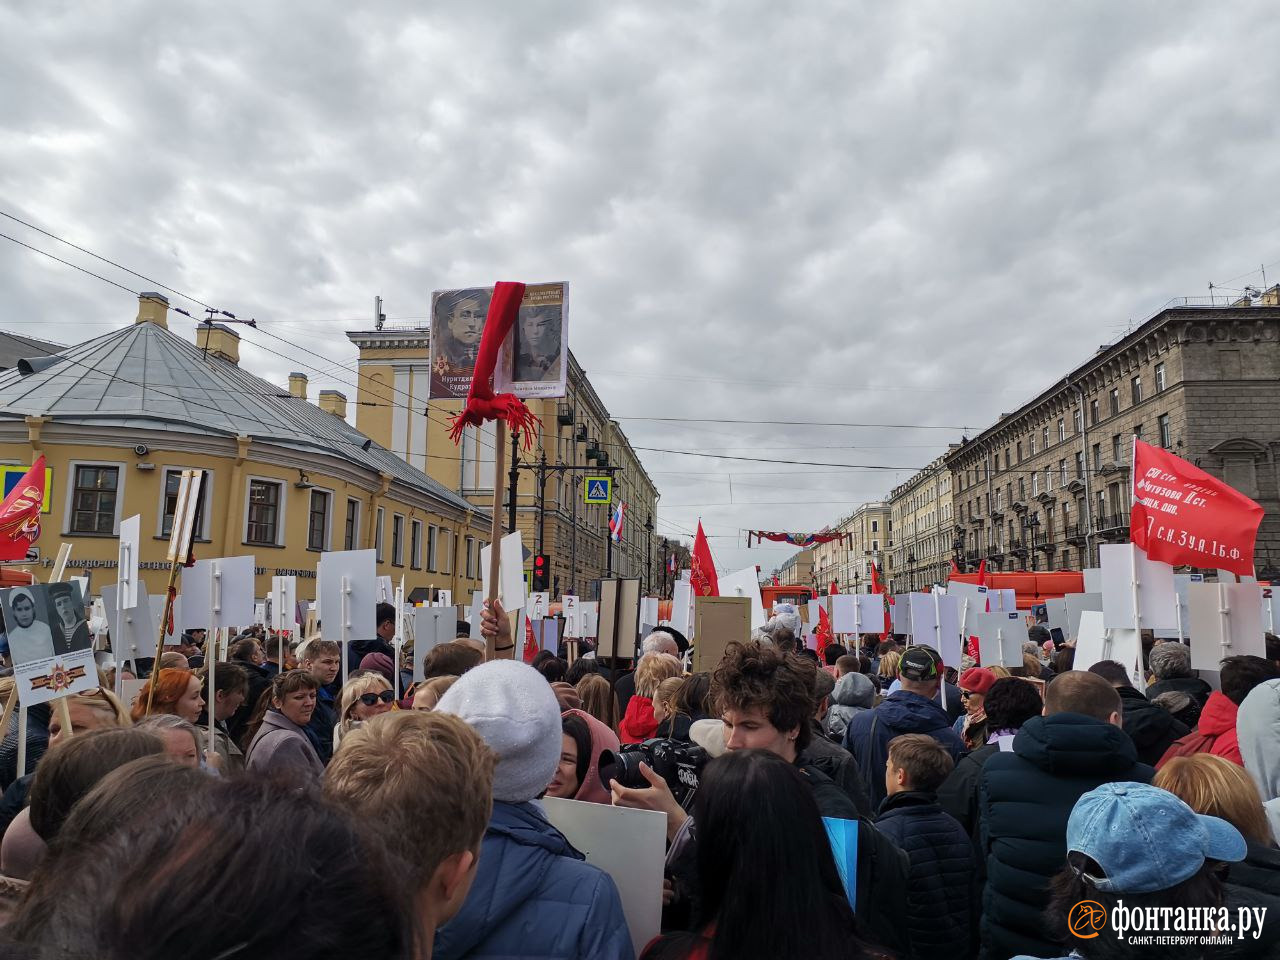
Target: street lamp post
648 546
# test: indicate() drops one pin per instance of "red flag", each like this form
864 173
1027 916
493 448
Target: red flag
530 642
982 574
702 569
823 633
775 581
20 514
1183 515
878 587
835 589
954 568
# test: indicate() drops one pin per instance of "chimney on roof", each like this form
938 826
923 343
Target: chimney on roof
153 308
298 385
219 341
1271 298
335 402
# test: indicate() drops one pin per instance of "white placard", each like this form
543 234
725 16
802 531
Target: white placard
260 613
1003 601
49 641
348 596
539 605
220 592
1078 603
1097 643
1157 600
127 564
949 643
477 611
1093 580
130 688
1180 582
922 619
133 632
1056 615
745 583
648 613
546 633
569 607
682 607
444 598
432 626
589 617
284 604
900 615
1000 637
1225 621
628 845
386 590
510 572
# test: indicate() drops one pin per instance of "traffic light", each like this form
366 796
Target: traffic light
541 573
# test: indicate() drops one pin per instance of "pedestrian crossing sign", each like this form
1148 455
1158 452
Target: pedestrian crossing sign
598 490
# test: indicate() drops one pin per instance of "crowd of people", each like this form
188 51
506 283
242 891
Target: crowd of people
375 817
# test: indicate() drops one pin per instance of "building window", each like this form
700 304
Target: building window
1114 400
1062 429
1097 456
93 503
875 526
1022 488
1008 461
172 481
415 544
1162 424
1044 436
1079 465
378 552
1035 484
1159 378
1094 412
264 513
1135 389
1137 430
1048 480
318 521
1077 419
1019 447
1032 441
351 529
471 558
1066 521
432 548
397 540
1115 448
446 551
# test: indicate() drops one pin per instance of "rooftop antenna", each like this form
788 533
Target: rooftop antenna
379 318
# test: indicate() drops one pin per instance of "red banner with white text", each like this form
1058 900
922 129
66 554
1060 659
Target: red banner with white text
1182 515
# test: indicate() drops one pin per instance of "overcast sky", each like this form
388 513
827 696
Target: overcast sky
908 213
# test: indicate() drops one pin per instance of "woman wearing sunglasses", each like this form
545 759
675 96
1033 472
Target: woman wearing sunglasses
364 696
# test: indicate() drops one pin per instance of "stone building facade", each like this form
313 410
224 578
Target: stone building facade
848 561
922 513
1048 483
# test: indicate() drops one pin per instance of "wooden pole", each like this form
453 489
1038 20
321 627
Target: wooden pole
64 713
174 567
10 702
495 535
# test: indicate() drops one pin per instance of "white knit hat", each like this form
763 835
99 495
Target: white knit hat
515 712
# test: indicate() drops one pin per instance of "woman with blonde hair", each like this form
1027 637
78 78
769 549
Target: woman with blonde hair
639 723
888 671
429 692
362 698
599 700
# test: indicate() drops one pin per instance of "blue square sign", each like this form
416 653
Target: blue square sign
598 490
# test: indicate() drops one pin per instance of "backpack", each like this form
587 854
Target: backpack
1193 743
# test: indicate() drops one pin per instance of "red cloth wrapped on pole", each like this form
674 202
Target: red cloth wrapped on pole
530 642
20 514
982 573
702 569
1182 515
482 403
878 587
823 633
954 569
835 589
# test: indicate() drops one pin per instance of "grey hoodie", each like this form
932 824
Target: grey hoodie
854 692
1258 729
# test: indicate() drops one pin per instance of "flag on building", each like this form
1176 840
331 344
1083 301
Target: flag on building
673 567
1183 515
20 514
615 522
702 569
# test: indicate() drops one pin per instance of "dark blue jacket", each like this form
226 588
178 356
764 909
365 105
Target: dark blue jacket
902 712
533 896
942 891
320 729
1024 800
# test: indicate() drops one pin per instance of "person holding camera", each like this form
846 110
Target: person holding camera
766 702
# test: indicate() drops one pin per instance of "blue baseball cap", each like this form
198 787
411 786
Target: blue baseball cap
1145 839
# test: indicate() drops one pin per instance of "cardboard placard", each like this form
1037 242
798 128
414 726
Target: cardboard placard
857 613
127 565
1000 637
1126 571
539 605
629 845
1096 642
547 634
1078 603
49 641
718 621
1226 621
1056 615
572 626
432 626
949 642
510 572
133 632
1092 580
619 614
220 592
347 591
923 621
648 615
745 583
284 604
589 618
444 598
1183 613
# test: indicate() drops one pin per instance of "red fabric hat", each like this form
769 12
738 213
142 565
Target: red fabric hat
977 680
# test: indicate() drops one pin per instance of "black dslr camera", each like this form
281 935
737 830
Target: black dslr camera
675 761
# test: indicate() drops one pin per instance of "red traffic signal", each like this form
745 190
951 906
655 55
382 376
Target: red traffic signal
541 572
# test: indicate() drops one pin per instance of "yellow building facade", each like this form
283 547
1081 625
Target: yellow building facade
120 417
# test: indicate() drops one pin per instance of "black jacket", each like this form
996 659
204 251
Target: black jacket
357 650
1025 799
625 688
238 722
1195 688
958 794
838 764
320 728
1255 882
941 892
37 743
1151 728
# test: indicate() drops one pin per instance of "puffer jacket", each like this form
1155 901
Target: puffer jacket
958 794
1258 730
1215 734
1025 799
1152 729
1195 688
854 693
639 723
533 896
941 891
837 763
592 790
869 734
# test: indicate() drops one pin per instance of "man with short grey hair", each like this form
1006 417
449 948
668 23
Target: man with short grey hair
659 642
